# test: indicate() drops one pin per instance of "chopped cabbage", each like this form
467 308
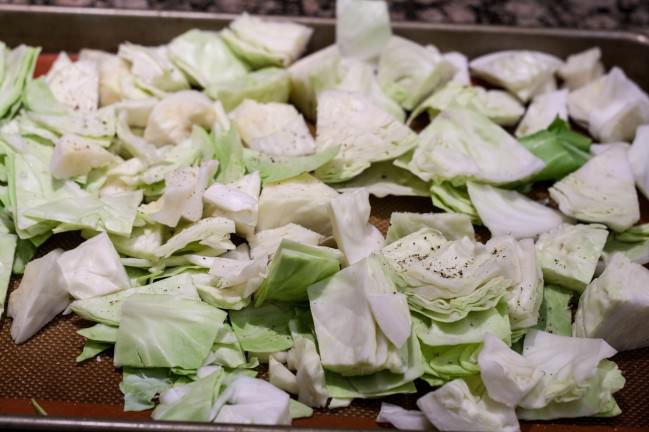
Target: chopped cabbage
363 131
507 212
237 201
7 252
17 68
75 156
261 42
281 377
302 200
165 331
524 73
264 244
200 53
461 144
75 85
614 306
403 419
454 199
273 128
543 110
569 254
555 314
409 72
461 64
453 226
362 28
212 232
277 168
355 236
582 68
153 69
93 269
603 190
263 85
263 329
384 178
112 70
633 243
141 385
228 150
253 401
639 159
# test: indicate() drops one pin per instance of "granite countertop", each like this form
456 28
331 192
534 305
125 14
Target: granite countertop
585 14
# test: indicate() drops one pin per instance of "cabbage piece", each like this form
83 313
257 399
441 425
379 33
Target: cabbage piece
633 243
408 72
428 268
446 363
281 377
112 70
543 110
75 85
602 190
264 244
461 144
172 118
582 68
236 279
7 251
499 106
360 77
403 419
273 128
263 329
363 131
577 381
555 314
228 150
142 243
213 232
463 404
461 64
262 42
311 75
612 107
354 235
141 385
569 254
639 159
521 265
302 200
277 168
226 350
469 330
194 401
264 85
452 226
133 144
39 298
562 150
507 375
293 269
107 309
200 53
364 298
298 410
93 269
253 401
165 331
384 178
524 73
100 333
18 66
152 68
237 201
362 28
507 212
75 156
454 199
304 358
614 306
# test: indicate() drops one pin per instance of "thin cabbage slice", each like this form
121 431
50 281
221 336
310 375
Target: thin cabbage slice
253 401
409 72
93 269
264 85
262 42
615 306
461 144
582 68
363 131
263 329
507 212
355 236
199 53
543 110
465 405
212 232
277 168
75 156
39 298
362 28
238 201
384 178
273 128
228 150
264 244
403 419
454 199
152 68
524 73
453 226
603 190
18 66
302 200
507 375
569 254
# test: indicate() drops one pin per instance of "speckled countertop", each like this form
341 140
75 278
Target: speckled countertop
586 14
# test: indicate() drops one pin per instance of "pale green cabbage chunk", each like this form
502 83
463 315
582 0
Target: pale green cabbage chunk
264 85
7 251
153 69
639 159
384 178
401 418
543 110
582 68
453 226
75 85
263 329
362 28
253 401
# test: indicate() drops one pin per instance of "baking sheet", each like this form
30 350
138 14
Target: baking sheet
44 368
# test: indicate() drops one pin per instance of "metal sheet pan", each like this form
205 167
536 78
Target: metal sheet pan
70 29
